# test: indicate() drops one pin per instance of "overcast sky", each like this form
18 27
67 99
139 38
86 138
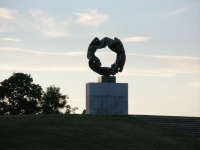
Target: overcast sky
49 39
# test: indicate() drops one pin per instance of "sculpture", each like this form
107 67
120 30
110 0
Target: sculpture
114 45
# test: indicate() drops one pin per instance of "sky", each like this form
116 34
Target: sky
49 39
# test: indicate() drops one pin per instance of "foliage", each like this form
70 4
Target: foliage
18 95
53 101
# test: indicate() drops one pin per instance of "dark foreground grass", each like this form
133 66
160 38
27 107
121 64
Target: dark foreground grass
83 132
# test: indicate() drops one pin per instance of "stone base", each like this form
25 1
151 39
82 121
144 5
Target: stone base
107 79
107 98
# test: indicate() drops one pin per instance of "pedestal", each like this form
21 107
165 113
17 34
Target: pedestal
107 98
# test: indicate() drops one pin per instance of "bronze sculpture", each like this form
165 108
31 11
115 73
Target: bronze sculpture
114 45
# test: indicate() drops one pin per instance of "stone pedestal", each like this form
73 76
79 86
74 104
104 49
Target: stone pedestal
107 79
107 98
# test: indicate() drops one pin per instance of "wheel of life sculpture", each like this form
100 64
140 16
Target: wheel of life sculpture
115 46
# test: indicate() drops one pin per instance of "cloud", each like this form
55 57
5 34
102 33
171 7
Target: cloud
160 66
195 84
178 11
36 52
148 72
91 18
26 59
48 25
7 14
11 39
167 57
76 61
34 21
135 39
8 17
182 9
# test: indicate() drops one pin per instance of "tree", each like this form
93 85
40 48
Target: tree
18 95
53 101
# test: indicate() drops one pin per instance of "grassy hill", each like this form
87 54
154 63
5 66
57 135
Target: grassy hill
84 132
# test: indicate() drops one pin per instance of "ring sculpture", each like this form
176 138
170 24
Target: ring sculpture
115 46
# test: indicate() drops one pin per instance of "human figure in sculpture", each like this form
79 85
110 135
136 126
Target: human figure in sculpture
121 56
94 62
116 46
92 50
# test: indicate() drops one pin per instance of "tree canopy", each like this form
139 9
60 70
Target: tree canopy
18 95
54 101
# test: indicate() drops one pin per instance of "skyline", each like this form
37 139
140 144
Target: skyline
161 40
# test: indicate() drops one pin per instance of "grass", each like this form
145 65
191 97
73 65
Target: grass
84 132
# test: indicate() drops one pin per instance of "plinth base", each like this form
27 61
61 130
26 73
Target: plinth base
107 79
107 98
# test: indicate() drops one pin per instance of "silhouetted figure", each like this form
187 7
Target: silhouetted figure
114 45
84 112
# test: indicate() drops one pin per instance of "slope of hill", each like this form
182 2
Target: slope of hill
84 132
185 125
